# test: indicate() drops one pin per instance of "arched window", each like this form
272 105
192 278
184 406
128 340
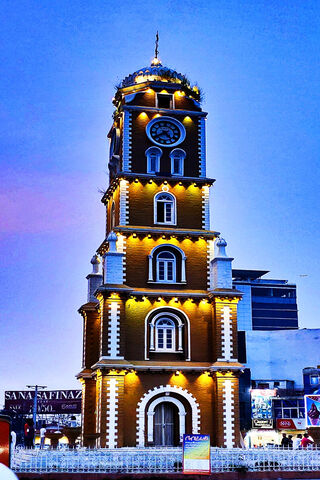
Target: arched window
167 330
166 267
165 208
113 216
165 335
153 155
177 157
167 264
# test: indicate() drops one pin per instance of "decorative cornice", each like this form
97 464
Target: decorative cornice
158 179
165 111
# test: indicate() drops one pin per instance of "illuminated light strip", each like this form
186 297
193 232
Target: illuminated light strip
228 414
127 131
202 145
210 255
112 413
205 208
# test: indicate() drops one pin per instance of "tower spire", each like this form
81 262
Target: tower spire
156 51
156 61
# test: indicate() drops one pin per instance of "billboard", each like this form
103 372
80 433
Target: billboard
49 401
261 403
312 408
196 454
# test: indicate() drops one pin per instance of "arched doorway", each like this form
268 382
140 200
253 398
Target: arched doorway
166 425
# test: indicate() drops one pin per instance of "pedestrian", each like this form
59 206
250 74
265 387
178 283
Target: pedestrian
284 441
13 440
290 441
297 442
42 435
30 437
306 441
26 431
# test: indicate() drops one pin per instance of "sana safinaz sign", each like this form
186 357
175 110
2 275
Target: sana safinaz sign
49 401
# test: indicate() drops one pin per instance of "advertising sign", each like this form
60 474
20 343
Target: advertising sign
291 423
263 423
49 401
312 407
196 454
261 403
5 440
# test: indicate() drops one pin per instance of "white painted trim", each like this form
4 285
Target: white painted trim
205 208
148 153
182 415
112 413
173 208
163 312
124 202
114 330
202 145
165 261
172 99
126 141
122 248
183 262
210 256
228 414
226 333
141 409
181 157
172 328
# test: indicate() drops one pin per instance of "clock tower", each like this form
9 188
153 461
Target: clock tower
160 322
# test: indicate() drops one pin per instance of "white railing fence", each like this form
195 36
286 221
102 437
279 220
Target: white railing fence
160 460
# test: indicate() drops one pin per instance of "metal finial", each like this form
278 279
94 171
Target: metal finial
156 51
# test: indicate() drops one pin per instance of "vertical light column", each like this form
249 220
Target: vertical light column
114 330
205 208
126 145
228 414
112 413
124 202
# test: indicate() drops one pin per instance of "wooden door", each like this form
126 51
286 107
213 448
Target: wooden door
164 424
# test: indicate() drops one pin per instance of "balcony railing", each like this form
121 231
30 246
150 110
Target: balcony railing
160 460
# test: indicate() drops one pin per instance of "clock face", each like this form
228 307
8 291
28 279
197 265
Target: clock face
166 131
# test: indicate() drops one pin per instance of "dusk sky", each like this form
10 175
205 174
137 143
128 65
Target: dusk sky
258 64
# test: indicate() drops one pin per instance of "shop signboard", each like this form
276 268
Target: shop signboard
261 403
290 423
49 401
312 408
262 423
196 454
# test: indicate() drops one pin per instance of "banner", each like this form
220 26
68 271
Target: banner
290 423
261 403
196 454
312 408
49 401
262 423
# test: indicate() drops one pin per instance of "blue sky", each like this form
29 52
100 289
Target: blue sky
258 64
